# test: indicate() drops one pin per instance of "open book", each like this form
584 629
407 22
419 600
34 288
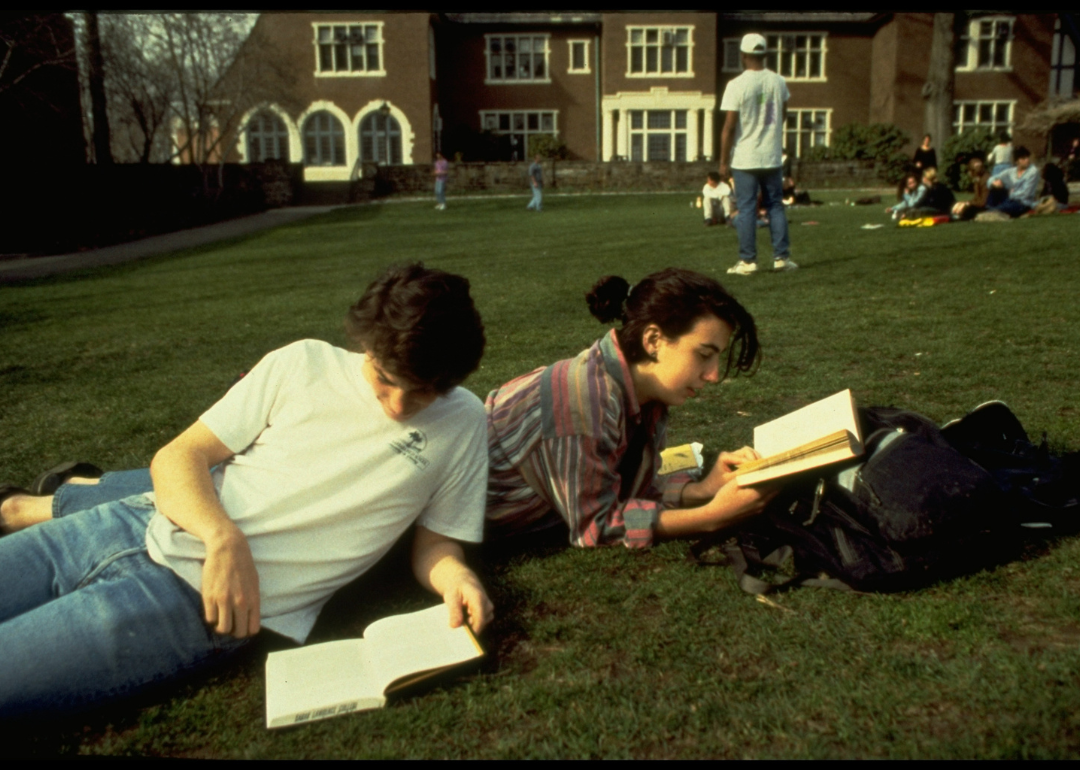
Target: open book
324 680
821 433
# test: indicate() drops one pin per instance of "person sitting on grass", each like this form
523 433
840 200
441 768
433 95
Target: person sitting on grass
909 195
716 200
577 444
293 484
1054 185
1015 190
937 199
980 177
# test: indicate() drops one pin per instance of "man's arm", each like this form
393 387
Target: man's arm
731 505
439 564
727 139
185 494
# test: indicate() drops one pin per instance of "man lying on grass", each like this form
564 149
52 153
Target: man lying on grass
292 485
578 443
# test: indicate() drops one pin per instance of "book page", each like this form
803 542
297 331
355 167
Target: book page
312 679
837 412
418 641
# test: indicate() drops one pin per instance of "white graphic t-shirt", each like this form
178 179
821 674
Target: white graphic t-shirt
759 97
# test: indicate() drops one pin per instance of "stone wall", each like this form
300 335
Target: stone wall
591 176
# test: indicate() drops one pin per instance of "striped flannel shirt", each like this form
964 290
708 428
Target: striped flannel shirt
556 437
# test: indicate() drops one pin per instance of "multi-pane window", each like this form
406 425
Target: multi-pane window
267 138
732 56
324 140
579 56
380 139
974 115
805 129
517 58
657 134
989 44
796 57
1063 63
348 49
519 125
659 50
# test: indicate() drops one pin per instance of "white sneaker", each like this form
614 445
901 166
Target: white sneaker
784 264
742 268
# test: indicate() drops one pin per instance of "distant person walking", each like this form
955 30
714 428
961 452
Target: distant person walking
441 171
536 180
751 149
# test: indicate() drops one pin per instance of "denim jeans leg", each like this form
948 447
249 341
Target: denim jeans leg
114 485
440 191
106 621
746 190
772 187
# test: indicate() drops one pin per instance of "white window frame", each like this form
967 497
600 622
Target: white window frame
673 131
971 62
726 44
349 73
587 69
525 130
503 80
797 150
774 55
1064 69
960 125
661 43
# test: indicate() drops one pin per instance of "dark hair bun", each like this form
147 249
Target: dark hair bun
607 298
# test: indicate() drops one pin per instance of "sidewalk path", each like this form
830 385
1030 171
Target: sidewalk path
37 267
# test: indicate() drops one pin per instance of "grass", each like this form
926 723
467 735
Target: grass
607 653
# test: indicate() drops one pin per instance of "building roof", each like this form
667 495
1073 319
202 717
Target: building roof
783 17
564 17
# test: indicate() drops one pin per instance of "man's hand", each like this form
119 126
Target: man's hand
439 564
733 503
230 587
468 602
725 171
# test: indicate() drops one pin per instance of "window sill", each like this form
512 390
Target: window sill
490 82
655 75
374 74
579 72
968 70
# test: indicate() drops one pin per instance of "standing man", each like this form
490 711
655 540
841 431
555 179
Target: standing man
536 179
755 103
442 167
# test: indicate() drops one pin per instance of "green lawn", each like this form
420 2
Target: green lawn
608 653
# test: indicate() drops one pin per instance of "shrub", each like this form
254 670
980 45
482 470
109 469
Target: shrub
881 143
547 146
958 150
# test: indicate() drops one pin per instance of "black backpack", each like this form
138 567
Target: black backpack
922 504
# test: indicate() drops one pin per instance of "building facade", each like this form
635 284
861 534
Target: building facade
396 87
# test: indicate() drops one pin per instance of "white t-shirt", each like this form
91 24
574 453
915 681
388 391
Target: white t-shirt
721 191
323 482
759 97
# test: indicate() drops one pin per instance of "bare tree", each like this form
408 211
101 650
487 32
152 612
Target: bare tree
95 76
940 79
140 90
30 43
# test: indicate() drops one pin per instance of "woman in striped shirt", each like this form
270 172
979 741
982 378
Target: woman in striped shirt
579 442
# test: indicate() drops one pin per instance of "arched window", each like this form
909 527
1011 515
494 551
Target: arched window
380 139
267 138
324 140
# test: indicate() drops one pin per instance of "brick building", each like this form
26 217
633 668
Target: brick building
393 88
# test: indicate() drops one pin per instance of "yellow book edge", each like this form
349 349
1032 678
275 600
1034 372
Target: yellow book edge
836 446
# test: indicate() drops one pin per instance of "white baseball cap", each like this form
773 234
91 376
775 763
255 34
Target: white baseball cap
752 43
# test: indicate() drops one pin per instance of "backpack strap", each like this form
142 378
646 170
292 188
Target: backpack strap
747 563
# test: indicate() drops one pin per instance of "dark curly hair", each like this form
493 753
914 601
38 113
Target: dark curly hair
420 324
673 299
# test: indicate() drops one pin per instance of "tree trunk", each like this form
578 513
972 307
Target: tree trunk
96 76
940 81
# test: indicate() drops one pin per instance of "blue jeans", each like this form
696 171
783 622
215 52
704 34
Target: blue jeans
998 199
440 191
86 616
536 204
771 183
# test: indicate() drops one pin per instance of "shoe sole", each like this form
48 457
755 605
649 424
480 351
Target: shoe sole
49 481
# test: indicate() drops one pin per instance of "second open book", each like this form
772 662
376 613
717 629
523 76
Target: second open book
821 433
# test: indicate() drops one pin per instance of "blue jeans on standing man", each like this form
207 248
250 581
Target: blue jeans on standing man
771 183
85 615
440 190
536 204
